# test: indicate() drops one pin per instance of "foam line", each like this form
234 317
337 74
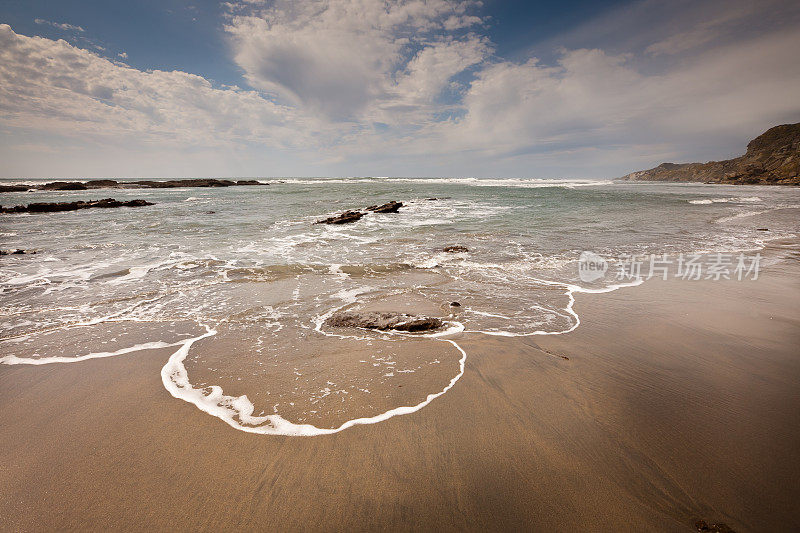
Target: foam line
571 290
237 412
91 322
14 360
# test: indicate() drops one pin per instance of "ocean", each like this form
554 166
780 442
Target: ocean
239 281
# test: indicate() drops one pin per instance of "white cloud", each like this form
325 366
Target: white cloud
340 58
59 25
706 31
54 87
592 100
410 87
415 95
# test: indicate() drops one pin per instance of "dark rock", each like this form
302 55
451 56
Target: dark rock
384 321
210 212
43 207
17 252
134 203
762 229
141 184
63 186
456 249
14 188
345 218
455 304
172 184
101 184
391 207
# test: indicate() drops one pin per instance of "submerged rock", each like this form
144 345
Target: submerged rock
43 207
250 182
390 207
17 252
456 249
345 218
702 525
384 321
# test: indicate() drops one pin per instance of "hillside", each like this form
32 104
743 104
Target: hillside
772 158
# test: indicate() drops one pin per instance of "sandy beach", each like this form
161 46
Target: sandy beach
673 401
400 265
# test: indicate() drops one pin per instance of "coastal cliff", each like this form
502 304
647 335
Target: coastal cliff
772 158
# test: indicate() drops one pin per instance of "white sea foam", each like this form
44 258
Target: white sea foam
497 282
14 360
472 182
237 411
570 291
734 199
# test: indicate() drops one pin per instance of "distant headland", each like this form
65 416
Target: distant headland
772 158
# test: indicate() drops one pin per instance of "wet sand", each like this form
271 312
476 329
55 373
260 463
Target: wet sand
678 401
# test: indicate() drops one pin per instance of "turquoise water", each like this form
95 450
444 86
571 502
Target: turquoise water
249 259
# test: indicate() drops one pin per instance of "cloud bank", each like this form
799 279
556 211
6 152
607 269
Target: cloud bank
415 88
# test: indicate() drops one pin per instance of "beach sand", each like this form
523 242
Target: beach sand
673 401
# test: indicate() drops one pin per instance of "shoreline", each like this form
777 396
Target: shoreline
662 414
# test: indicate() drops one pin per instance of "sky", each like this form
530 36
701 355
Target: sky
265 88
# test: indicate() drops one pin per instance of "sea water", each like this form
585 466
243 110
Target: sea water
237 282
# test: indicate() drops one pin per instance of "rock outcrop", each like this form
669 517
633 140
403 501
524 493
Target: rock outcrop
391 207
772 158
173 184
63 186
42 207
384 321
345 218
14 188
352 216
101 184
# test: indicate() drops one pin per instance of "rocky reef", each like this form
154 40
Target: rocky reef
344 218
140 184
353 216
51 207
391 207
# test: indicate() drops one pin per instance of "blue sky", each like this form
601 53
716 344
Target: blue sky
404 87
